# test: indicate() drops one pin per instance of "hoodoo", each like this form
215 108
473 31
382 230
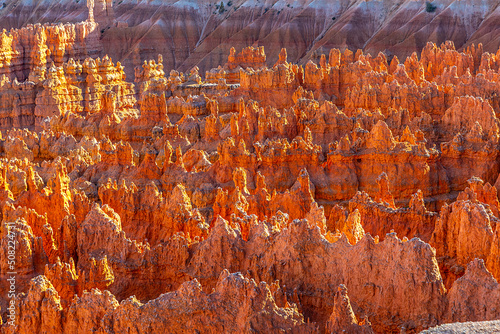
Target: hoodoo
247 167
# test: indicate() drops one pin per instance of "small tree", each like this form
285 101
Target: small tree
221 7
430 7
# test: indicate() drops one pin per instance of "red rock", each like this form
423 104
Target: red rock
296 174
474 295
343 318
464 231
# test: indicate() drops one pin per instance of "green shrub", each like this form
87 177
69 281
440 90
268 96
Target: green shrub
430 7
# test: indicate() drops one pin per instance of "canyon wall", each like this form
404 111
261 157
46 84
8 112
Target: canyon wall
350 194
201 33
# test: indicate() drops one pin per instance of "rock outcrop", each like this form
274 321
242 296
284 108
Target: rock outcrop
346 193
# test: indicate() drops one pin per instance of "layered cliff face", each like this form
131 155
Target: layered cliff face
350 194
201 33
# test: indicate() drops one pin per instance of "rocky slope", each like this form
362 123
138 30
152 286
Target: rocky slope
192 33
489 327
350 194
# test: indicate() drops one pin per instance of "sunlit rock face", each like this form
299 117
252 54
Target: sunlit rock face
201 33
247 185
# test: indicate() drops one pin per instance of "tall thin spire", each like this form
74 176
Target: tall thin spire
90 6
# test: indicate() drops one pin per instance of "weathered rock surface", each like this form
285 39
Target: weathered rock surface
350 193
486 327
202 33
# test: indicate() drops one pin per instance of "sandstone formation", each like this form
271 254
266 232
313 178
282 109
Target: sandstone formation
202 33
349 193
